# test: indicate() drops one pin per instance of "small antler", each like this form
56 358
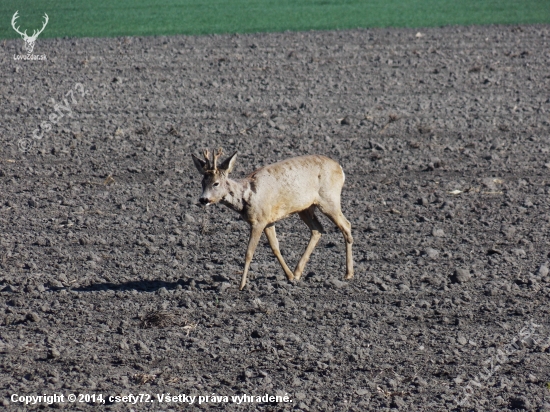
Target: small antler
13 21
216 157
207 157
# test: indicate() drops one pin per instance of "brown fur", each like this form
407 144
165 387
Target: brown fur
273 192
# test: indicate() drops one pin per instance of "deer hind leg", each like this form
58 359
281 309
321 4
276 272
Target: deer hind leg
334 213
308 216
255 233
274 243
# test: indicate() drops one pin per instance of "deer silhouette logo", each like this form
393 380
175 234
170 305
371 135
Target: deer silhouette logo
29 40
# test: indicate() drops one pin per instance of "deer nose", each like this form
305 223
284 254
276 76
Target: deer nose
204 200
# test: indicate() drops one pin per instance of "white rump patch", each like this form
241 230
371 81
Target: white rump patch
343 174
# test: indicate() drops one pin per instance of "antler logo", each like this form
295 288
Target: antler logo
29 40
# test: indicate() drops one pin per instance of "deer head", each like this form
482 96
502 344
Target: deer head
215 178
29 40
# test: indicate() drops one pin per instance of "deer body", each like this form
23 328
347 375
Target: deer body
271 193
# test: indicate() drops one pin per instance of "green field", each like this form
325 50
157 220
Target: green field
107 18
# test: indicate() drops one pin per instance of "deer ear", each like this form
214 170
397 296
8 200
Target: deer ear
199 164
228 164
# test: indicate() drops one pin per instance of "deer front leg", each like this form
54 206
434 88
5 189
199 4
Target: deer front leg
308 216
255 233
274 243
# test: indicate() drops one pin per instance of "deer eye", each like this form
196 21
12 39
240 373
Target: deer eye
216 184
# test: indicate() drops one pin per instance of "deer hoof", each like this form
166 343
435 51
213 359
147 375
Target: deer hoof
297 275
349 276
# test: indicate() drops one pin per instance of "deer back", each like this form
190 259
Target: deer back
292 185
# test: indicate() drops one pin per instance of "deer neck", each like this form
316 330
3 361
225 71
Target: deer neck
238 196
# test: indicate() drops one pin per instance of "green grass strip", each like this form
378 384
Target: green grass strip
109 18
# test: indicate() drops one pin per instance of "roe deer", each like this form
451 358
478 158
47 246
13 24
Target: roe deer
296 185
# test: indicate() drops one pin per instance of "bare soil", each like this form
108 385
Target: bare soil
114 280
